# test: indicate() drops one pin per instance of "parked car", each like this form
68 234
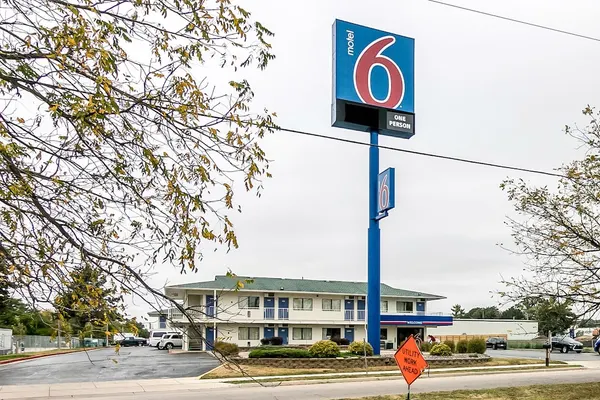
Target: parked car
169 341
566 344
132 341
496 343
156 336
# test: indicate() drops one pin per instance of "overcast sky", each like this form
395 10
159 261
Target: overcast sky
485 89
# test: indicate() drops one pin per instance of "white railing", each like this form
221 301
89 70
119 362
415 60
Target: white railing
349 315
283 313
269 313
360 315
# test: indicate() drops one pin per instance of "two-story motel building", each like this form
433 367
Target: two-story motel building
301 311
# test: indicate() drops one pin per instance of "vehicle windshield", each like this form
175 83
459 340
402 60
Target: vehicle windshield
157 334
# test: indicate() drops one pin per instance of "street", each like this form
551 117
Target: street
105 365
210 391
541 354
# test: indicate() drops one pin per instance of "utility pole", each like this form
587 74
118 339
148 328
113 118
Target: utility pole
548 349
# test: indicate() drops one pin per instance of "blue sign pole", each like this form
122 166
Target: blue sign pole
374 247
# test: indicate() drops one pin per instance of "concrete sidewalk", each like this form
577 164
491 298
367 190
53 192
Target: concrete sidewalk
179 385
91 389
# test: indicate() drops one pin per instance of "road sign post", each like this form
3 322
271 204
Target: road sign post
373 91
411 362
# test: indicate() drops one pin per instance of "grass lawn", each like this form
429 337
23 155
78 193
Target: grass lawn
587 391
37 353
380 376
233 371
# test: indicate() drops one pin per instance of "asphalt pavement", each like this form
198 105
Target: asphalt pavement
209 391
105 365
541 355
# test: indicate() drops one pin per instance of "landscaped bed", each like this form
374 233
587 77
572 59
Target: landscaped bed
35 354
546 392
233 370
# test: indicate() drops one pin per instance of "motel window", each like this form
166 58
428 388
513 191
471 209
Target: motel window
383 334
332 305
302 333
404 306
249 302
384 306
248 333
303 304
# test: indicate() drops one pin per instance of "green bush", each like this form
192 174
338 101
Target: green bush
476 346
279 353
462 346
440 349
227 349
426 346
360 348
324 349
450 343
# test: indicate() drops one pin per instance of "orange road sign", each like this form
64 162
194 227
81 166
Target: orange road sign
410 360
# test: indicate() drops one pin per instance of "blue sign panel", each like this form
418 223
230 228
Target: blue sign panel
386 190
373 67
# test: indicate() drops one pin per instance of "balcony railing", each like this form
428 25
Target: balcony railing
349 315
283 313
269 313
360 315
210 311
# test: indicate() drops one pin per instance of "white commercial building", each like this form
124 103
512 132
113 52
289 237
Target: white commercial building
300 311
513 329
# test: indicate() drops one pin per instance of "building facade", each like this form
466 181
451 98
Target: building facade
513 329
243 310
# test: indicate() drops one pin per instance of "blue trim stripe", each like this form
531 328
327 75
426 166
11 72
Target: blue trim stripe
428 320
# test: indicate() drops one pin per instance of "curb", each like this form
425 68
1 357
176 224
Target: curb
14 360
382 377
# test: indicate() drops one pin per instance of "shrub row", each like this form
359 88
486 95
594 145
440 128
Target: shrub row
448 347
284 352
321 349
340 341
227 349
273 341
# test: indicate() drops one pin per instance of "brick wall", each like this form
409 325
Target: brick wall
343 363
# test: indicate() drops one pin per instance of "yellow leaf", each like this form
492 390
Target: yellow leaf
21 120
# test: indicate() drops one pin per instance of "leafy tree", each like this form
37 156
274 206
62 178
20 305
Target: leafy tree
116 152
88 299
458 311
484 313
555 317
512 313
556 229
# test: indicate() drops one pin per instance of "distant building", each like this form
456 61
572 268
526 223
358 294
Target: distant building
514 329
160 319
301 311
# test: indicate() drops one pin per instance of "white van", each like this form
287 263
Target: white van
157 334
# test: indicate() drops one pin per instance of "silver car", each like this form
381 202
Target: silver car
170 341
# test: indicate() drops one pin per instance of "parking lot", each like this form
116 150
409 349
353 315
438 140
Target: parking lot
106 365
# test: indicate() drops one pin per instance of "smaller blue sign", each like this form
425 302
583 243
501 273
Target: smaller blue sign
386 189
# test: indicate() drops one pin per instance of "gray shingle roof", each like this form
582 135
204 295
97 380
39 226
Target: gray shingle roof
222 282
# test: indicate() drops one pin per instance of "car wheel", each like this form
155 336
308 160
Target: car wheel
169 346
564 349
578 351
495 347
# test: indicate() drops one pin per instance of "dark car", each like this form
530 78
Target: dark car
496 343
132 341
566 344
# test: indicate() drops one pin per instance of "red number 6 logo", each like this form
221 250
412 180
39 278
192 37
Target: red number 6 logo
367 60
